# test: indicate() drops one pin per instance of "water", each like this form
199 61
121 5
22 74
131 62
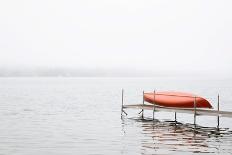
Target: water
82 116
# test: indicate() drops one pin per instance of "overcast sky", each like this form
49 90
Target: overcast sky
145 34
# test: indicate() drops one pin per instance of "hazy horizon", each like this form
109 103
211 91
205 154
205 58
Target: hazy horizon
138 36
99 72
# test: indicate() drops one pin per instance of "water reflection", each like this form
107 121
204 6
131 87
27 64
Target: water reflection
168 137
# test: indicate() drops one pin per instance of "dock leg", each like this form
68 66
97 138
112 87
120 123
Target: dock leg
143 109
195 107
153 116
122 103
175 117
218 120
122 110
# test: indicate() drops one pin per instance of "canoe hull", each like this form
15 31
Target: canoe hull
176 99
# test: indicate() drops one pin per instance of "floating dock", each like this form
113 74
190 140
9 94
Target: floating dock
195 111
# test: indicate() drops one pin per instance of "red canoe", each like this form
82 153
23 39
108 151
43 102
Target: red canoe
176 99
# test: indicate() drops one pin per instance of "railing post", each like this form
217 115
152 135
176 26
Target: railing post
218 108
154 107
195 107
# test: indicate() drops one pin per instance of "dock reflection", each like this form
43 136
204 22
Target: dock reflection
168 137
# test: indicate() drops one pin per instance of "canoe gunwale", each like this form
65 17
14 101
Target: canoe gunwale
172 95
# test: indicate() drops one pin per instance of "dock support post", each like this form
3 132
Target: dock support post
195 107
175 117
122 102
218 120
142 108
122 111
143 104
153 116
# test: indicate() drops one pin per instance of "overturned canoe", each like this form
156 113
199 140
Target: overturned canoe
176 99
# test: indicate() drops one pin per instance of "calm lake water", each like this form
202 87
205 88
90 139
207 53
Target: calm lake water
58 116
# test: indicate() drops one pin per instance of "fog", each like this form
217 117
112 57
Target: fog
116 36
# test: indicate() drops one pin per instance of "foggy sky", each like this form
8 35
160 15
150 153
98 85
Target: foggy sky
143 34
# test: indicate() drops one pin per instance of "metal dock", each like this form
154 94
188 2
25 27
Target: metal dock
195 111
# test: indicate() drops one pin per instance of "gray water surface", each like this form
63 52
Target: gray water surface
82 116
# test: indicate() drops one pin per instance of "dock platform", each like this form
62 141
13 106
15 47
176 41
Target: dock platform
199 111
